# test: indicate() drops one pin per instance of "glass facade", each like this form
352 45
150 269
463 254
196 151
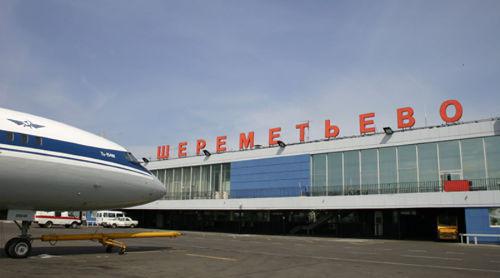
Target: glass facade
351 173
319 175
388 169
409 168
226 180
369 170
473 159
492 145
428 168
335 174
196 182
402 169
428 162
449 156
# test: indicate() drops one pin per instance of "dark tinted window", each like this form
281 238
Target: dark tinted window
25 138
10 136
39 141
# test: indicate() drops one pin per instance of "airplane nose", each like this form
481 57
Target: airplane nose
158 190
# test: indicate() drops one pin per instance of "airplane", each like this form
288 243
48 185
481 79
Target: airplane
47 165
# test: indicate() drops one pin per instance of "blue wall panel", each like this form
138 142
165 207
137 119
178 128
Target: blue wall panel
477 221
270 177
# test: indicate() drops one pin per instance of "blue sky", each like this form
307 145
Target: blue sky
145 73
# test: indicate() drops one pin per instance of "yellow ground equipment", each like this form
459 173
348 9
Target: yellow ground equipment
447 227
107 240
447 232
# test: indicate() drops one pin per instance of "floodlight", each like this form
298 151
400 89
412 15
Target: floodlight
388 130
281 144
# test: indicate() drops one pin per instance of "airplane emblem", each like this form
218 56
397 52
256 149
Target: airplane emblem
26 124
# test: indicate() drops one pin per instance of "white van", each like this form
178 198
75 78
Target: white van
105 217
48 219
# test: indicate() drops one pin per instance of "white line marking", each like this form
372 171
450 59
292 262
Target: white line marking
365 253
212 257
429 257
371 261
457 253
408 264
143 252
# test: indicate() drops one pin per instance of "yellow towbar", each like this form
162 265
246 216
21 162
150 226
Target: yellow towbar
108 240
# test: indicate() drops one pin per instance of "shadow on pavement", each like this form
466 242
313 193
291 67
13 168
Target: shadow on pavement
84 250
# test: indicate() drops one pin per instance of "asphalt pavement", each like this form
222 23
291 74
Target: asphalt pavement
200 254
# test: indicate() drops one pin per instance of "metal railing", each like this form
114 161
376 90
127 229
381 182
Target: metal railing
476 236
347 190
186 195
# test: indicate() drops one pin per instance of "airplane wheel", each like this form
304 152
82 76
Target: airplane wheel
7 246
20 248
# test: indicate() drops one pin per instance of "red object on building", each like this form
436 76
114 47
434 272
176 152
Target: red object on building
456 185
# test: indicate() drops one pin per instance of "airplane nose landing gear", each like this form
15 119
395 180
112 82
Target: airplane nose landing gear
20 247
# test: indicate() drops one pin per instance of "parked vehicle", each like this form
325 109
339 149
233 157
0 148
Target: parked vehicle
447 227
103 217
123 222
68 219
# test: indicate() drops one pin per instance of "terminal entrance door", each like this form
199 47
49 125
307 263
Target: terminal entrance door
379 223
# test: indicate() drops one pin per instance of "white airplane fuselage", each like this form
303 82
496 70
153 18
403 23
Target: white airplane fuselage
47 165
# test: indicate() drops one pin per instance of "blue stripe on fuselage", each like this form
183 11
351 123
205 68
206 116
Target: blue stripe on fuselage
64 147
76 159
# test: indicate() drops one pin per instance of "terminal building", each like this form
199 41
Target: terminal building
402 184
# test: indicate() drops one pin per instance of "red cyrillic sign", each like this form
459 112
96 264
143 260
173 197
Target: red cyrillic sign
405 119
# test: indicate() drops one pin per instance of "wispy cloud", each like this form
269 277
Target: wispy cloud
160 72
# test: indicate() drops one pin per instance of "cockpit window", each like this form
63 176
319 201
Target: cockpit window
130 157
